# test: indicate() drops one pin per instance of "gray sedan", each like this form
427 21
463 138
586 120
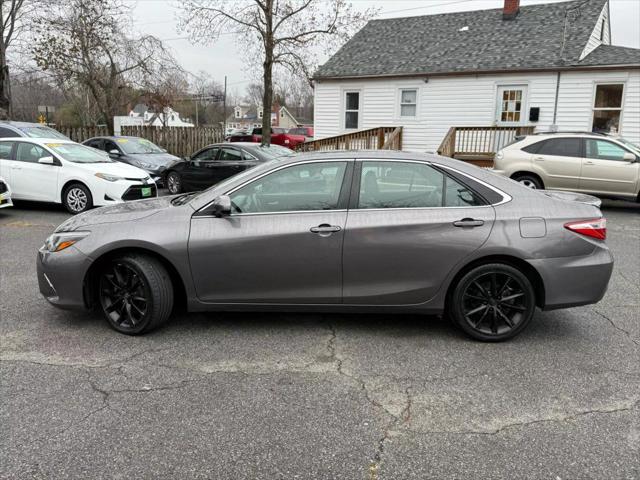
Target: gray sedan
336 232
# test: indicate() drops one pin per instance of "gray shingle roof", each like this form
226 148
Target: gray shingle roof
612 55
433 44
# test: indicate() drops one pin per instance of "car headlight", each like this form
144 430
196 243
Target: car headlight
145 165
59 241
108 177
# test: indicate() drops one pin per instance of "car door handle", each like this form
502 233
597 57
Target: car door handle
16 168
468 222
539 159
325 228
588 162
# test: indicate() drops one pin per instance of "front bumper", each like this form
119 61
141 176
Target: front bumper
575 281
109 193
61 277
5 200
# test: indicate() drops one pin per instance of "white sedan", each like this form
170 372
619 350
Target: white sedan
5 194
62 171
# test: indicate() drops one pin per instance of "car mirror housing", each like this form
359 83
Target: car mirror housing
114 152
47 160
630 157
222 206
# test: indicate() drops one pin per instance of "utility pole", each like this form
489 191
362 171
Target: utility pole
224 109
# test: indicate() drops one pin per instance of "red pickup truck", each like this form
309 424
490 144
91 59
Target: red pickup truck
279 136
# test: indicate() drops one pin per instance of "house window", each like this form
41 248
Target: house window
260 113
511 105
602 30
352 110
408 103
607 108
237 112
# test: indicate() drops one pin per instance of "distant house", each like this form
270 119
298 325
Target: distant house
547 66
245 117
141 114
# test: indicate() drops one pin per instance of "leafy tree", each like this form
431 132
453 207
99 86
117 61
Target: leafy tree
286 33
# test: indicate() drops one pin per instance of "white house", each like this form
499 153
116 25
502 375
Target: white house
548 66
141 114
245 117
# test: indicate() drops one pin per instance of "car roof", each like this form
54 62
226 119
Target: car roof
12 123
109 137
38 141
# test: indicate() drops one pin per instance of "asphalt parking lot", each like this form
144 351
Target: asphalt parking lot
267 396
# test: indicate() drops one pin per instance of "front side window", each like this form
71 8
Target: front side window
603 150
6 133
411 185
352 110
561 147
205 155
408 103
110 146
28 152
307 187
607 108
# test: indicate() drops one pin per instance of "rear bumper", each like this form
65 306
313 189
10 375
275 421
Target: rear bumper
61 277
574 281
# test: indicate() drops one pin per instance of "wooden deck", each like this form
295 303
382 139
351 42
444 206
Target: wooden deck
478 145
380 138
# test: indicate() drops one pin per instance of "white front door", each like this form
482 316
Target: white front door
511 105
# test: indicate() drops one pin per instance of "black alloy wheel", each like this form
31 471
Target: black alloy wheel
136 294
493 302
174 183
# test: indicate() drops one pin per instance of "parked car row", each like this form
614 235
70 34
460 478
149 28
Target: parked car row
279 136
590 163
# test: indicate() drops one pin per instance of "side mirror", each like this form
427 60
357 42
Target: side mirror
114 152
222 206
630 157
47 160
187 159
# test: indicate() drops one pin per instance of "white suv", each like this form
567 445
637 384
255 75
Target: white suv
62 171
582 162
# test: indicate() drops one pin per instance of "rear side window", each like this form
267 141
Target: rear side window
8 133
5 150
411 185
559 147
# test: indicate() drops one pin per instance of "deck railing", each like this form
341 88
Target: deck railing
479 144
379 138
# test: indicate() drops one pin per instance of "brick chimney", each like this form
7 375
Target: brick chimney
511 9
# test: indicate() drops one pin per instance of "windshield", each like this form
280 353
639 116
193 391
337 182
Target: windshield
632 146
43 132
77 153
138 145
273 151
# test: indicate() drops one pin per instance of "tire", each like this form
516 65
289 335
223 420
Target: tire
173 183
135 293
489 295
77 198
530 181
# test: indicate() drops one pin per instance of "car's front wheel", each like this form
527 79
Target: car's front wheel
530 181
174 183
493 302
77 198
135 293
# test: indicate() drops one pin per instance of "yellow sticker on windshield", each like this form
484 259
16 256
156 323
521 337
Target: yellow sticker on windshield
54 145
122 140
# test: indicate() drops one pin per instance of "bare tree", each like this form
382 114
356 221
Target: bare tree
14 16
86 42
287 33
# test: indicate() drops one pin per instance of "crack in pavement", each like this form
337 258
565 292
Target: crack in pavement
572 416
620 329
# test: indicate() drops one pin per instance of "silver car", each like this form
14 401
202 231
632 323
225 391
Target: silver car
336 232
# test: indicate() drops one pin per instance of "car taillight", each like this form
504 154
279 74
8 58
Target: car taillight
594 228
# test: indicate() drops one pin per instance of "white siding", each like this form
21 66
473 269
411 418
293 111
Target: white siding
594 39
444 102
577 91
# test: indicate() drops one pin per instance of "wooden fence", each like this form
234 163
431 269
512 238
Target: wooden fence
180 141
479 144
379 138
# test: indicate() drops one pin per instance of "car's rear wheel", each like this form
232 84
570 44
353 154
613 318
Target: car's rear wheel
174 183
530 181
493 302
77 198
136 294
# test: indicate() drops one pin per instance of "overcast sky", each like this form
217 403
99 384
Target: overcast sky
158 17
